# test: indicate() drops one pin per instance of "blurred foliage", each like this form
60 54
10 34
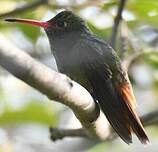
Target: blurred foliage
144 10
102 33
102 147
27 29
33 112
108 146
152 59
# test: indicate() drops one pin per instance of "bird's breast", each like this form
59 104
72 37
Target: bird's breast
69 64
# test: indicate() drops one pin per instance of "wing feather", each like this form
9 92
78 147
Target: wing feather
111 88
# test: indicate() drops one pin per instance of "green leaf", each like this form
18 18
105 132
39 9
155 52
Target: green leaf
110 4
152 59
143 10
142 7
34 112
31 32
102 33
7 6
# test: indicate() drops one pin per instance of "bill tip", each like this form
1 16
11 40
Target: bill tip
9 20
146 142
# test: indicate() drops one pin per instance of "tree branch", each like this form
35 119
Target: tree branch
150 118
57 134
55 86
59 87
117 21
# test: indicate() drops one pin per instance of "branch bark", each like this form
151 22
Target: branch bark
148 119
55 86
56 133
59 87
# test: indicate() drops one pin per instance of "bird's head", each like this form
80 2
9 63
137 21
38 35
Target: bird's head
65 21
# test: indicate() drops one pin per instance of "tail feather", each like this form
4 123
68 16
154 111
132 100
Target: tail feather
126 95
138 129
113 109
119 110
116 99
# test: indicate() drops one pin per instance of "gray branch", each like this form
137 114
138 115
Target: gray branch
56 134
55 86
59 87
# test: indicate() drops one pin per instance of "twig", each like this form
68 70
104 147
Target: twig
55 86
117 21
56 133
24 8
123 39
59 87
150 118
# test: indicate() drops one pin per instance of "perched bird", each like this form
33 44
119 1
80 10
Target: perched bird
93 63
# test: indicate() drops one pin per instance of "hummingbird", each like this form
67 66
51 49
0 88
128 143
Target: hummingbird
95 65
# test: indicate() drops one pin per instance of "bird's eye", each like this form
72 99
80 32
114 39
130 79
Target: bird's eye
62 24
